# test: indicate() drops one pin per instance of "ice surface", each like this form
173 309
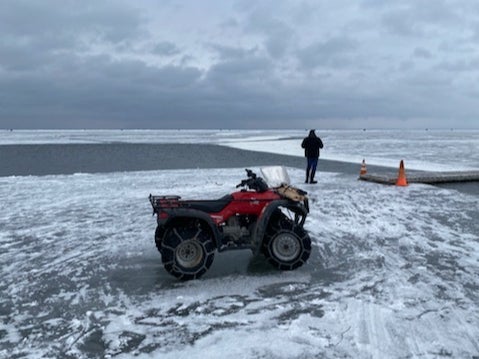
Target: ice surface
394 272
432 150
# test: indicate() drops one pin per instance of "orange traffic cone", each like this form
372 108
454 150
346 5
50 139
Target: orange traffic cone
401 181
363 168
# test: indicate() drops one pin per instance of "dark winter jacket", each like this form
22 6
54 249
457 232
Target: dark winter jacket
311 145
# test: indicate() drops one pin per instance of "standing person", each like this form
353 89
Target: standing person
311 145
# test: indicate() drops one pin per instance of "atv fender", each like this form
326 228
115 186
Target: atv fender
179 214
266 215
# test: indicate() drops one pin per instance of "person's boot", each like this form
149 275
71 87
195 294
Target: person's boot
307 177
312 178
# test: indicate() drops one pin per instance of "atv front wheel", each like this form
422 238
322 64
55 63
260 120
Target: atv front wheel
187 252
286 245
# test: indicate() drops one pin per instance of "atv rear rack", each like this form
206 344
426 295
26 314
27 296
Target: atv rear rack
159 202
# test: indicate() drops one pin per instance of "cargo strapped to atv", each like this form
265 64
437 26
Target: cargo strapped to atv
293 193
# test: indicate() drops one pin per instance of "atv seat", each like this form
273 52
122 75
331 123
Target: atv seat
210 206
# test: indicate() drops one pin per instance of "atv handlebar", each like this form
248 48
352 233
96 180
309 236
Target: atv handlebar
253 182
250 173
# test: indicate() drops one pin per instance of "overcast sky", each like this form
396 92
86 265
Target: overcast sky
239 64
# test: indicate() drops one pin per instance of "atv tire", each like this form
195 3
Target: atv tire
187 251
158 237
286 245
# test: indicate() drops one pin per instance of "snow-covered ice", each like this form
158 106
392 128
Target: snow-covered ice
394 273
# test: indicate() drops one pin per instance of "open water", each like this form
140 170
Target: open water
69 158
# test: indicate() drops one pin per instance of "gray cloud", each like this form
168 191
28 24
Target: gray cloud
334 52
166 48
420 52
241 65
66 25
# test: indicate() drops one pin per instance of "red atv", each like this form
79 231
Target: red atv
260 217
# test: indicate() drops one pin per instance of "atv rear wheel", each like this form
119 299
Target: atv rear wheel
286 244
187 251
158 237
